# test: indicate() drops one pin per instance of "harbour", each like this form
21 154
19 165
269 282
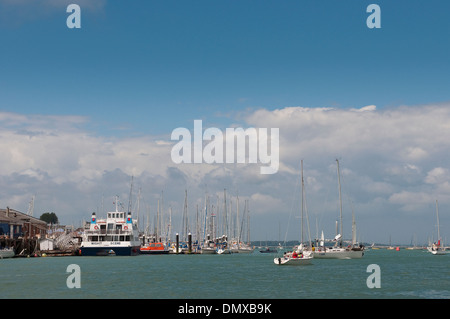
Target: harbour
405 274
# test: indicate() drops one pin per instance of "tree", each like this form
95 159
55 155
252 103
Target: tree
49 218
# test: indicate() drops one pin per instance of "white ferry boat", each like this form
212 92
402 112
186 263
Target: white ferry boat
116 235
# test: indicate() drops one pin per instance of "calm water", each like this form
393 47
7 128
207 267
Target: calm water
404 274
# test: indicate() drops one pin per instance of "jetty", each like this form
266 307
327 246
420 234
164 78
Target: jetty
21 232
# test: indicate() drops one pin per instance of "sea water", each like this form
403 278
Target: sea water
402 274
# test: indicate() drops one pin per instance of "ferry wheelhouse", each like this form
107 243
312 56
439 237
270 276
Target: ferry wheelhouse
116 235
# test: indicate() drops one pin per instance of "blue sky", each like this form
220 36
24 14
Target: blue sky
177 61
138 69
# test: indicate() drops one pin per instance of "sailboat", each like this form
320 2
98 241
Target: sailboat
300 255
222 245
339 251
237 245
437 248
207 247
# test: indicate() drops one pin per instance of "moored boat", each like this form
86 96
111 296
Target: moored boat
7 253
294 258
339 251
437 248
154 248
116 235
301 254
268 250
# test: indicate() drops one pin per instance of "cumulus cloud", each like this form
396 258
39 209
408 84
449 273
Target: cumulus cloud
407 133
390 157
393 161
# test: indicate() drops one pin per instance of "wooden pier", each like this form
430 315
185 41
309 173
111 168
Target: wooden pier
23 247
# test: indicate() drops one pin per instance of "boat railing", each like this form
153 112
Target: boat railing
108 232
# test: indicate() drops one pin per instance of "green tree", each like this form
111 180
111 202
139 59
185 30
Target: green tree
49 218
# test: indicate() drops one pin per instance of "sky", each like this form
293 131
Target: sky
83 111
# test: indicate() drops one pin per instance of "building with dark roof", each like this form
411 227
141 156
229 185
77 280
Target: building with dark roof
14 224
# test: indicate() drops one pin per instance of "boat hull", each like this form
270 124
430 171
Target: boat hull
110 251
208 251
6 253
225 251
154 249
289 261
437 251
242 250
153 252
339 253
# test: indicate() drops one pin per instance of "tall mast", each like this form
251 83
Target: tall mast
340 203
437 216
225 220
353 228
157 223
302 201
185 221
130 198
161 217
248 223
237 219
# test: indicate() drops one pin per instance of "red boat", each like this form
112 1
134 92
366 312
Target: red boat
154 248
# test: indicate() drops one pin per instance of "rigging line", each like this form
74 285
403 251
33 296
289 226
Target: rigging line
292 209
345 192
307 217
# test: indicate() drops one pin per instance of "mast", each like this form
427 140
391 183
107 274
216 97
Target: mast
340 203
130 198
353 229
185 221
248 223
206 218
161 217
167 226
302 203
157 223
225 220
437 216
197 227
138 206
237 219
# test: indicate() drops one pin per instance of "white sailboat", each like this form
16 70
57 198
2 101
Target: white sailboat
238 246
437 248
223 246
301 255
207 247
339 251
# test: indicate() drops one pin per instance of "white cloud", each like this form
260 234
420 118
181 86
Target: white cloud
264 203
386 151
392 159
411 201
437 175
368 108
